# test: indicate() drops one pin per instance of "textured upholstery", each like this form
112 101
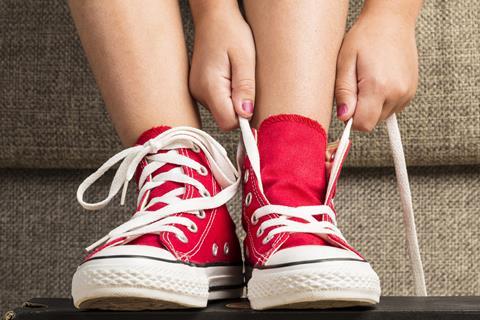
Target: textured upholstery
52 117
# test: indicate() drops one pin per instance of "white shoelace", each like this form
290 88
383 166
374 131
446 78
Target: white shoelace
146 221
306 214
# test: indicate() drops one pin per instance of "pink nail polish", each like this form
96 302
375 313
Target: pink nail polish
247 106
341 109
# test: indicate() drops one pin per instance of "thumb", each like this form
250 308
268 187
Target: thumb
346 86
243 83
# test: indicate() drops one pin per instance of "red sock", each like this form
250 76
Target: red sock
292 160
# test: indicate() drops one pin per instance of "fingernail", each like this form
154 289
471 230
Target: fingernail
341 109
247 106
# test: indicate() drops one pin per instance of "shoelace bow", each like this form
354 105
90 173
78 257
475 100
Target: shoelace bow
307 214
145 220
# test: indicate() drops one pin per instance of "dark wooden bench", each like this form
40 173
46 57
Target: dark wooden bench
390 308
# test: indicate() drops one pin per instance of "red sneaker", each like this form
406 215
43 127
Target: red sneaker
180 248
296 257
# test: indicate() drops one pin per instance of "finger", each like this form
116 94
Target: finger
369 107
397 99
198 85
243 82
395 104
400 108
221 106
346 85
214 93
389 108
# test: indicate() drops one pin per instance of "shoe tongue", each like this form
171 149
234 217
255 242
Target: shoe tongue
292 160
168 185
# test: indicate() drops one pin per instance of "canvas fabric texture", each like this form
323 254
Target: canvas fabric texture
53 116
43 230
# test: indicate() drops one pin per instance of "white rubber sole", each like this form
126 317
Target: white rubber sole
328 284
136 283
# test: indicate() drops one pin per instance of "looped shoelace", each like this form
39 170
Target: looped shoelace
305 220
309 224
145 220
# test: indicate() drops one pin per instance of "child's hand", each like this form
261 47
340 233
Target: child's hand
377 69
222 76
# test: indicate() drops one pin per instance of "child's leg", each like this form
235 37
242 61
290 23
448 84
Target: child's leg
306 264
138 55
297 44
139 59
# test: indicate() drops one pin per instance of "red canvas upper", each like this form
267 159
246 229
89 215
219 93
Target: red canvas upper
294 172
215 228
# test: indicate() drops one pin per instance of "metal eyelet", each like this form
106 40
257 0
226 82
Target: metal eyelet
196 148
226 249
266 239
254 220
214 249
193 228
245 176
201 214
182 238
205 193
248 199
259 232
202 171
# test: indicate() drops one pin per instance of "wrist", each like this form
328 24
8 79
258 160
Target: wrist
202 9
404 12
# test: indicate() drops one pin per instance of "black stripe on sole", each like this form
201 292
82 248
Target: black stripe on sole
288 264
206 265
249 268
